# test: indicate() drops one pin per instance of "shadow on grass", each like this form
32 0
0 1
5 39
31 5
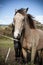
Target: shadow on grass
2 62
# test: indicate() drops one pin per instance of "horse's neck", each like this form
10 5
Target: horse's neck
26 36
27 30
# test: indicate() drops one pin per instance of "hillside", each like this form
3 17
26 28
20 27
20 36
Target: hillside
39 25
7 29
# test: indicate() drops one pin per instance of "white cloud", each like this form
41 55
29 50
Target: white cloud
6 20
39 18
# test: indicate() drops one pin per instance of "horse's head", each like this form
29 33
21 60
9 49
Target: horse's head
18 22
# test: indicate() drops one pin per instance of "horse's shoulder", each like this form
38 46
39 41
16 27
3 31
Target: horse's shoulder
34 31
37 31
35 34
41 39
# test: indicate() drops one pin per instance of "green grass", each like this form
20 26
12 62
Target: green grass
4 45
4 42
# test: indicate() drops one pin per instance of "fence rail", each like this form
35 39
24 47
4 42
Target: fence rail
8 37
9 48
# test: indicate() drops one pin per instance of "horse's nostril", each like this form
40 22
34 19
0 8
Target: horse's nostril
18 35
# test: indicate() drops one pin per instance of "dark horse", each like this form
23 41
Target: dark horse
29 38
17 46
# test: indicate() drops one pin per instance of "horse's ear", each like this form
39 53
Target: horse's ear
26 10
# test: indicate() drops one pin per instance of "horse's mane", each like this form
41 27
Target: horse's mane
30 20
20 11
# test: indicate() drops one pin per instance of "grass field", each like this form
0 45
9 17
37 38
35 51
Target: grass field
4 46
4 42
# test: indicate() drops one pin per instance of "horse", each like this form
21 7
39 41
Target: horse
30 38
17 46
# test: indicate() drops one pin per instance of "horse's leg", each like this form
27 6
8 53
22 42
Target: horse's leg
20 49
42 56
40 53
16 49
16 53
33 52
36 61
24 55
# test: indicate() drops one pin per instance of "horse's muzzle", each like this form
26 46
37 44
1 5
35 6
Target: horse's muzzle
17 38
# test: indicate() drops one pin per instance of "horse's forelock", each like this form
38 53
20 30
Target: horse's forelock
21 11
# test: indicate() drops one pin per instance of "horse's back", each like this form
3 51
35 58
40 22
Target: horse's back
40 45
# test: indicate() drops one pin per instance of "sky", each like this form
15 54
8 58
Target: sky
7 9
